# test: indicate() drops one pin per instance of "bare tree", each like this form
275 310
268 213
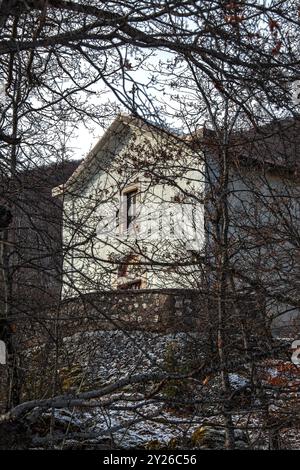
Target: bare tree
221 73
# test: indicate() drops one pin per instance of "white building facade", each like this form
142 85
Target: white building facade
139 213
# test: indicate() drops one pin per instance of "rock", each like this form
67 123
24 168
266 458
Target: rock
63 421
179 443
154 444
208 437
70 377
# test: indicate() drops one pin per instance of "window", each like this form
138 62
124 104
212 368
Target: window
133 285
117 218
129 274
129 198
130 208
122 269
127 264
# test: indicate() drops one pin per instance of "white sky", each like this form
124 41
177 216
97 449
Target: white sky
87 138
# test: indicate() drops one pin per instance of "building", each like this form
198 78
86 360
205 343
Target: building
145 210
33 253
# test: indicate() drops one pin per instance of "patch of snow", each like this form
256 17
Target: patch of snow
237 381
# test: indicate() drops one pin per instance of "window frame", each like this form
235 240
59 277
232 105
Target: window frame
124 226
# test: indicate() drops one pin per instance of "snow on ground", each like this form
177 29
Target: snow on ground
130 420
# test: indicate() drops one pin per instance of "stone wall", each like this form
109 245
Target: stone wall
155 311
83 339
161 311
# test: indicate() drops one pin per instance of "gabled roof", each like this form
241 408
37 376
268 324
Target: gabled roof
120 122
275 145
37 177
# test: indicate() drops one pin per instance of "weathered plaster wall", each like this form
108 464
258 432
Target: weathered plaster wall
162 171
